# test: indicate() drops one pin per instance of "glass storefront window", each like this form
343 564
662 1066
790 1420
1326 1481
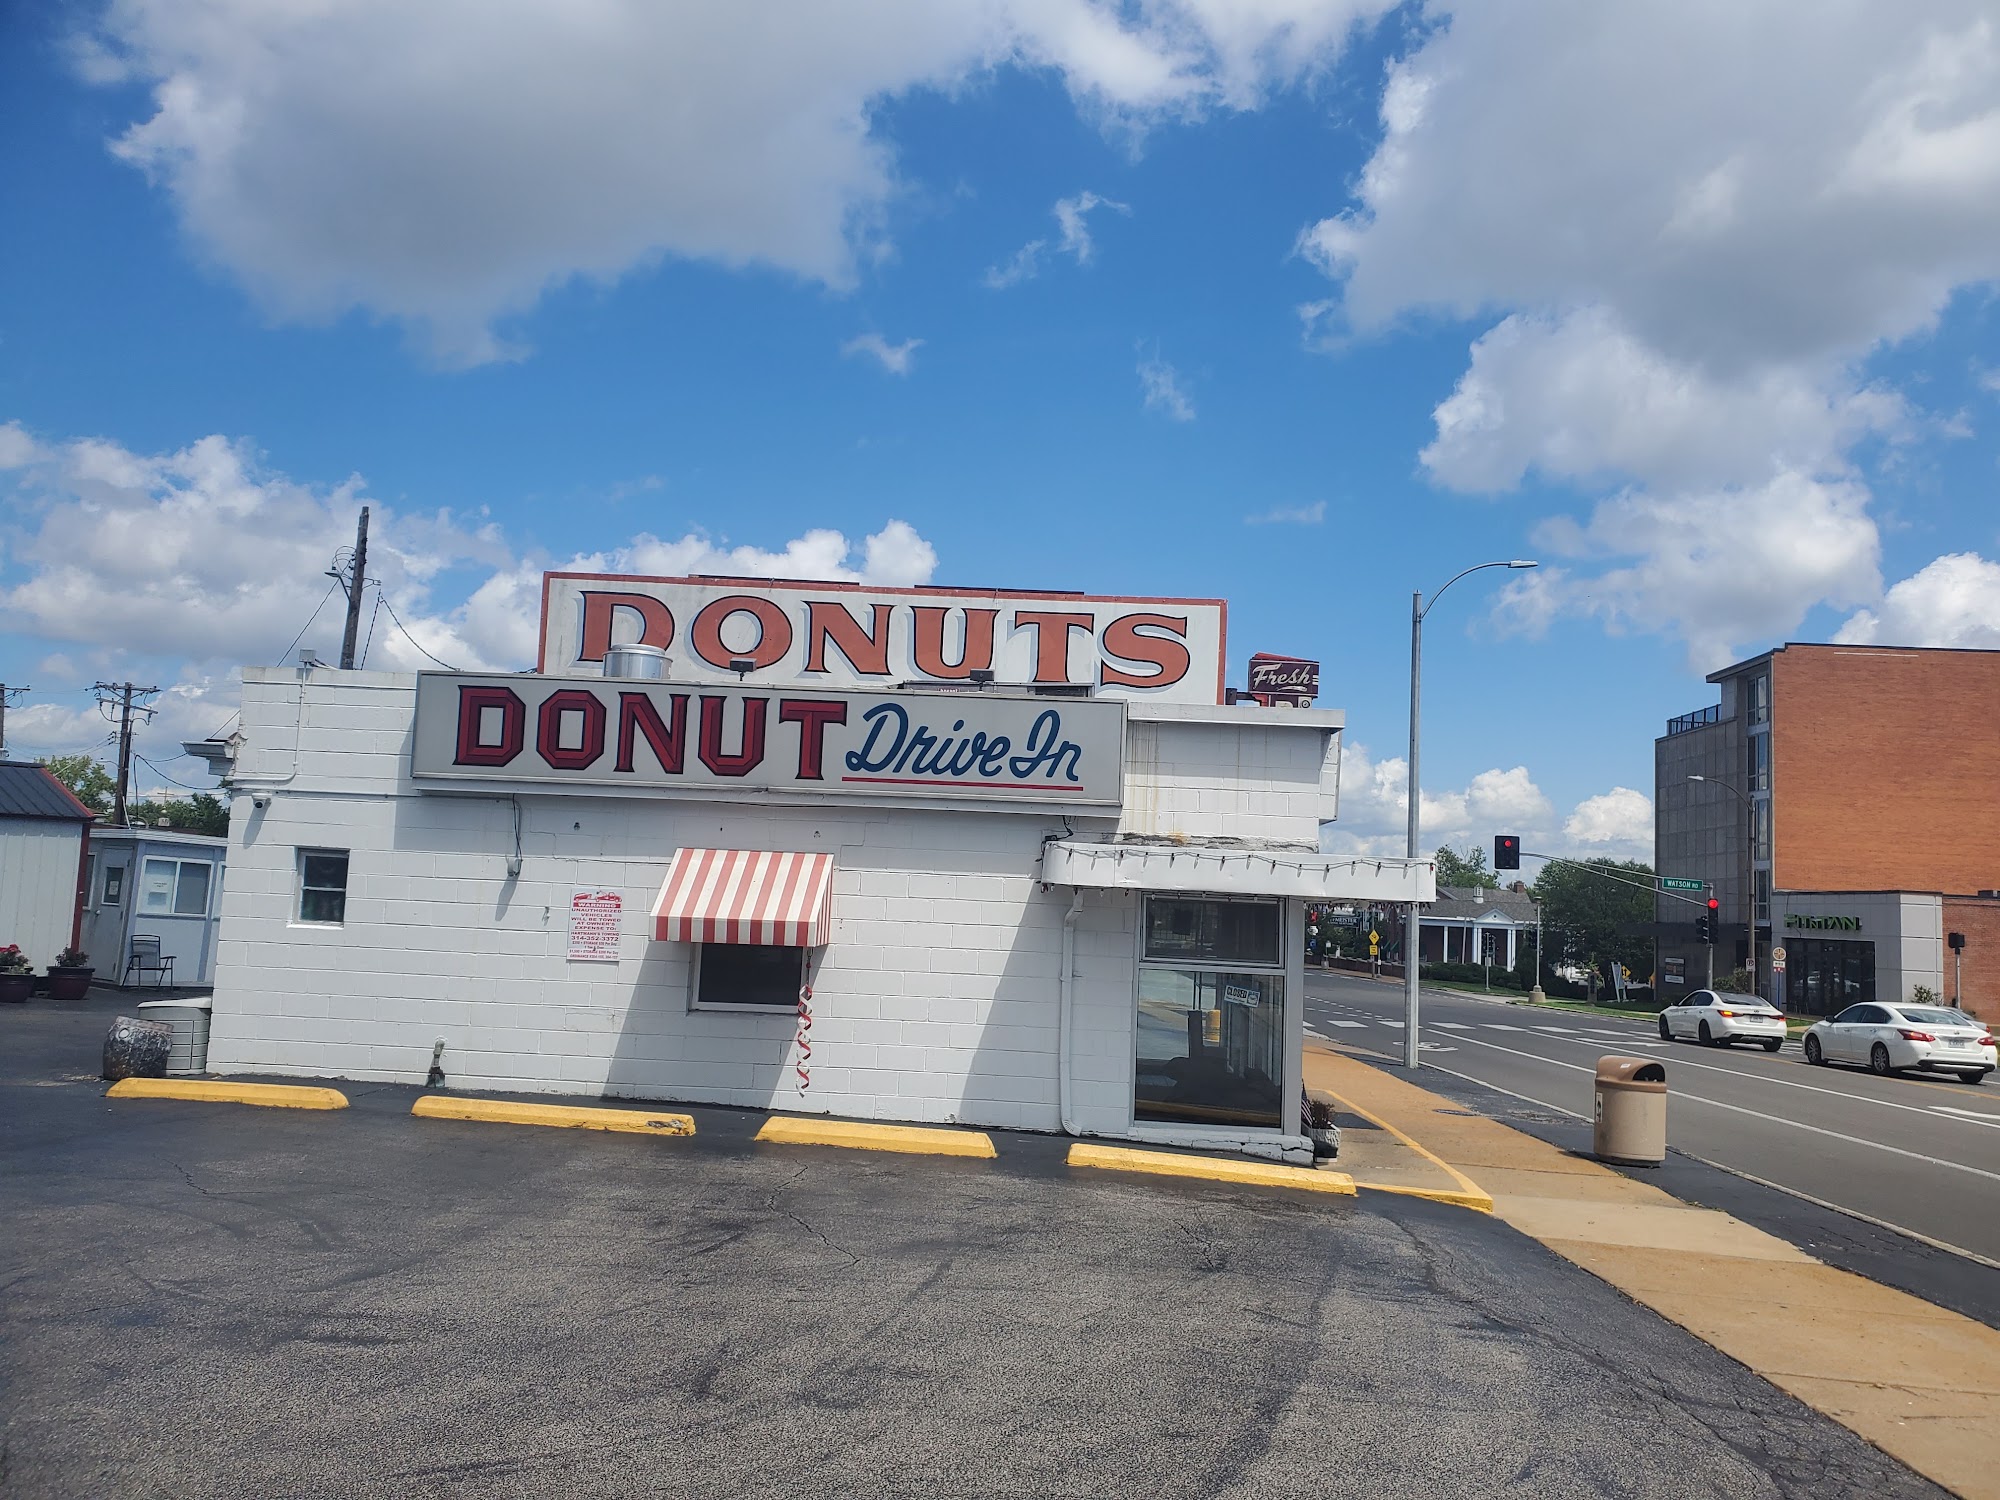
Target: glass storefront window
1824 978
1211 1029
1193 930
1211 1047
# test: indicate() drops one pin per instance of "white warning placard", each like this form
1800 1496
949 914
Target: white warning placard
595 917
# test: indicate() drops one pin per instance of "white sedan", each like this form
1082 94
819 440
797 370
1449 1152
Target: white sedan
1889 1038
1716 1018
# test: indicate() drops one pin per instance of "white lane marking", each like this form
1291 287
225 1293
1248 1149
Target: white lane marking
1811 1088
1451 1026
1496 1026
1393 1025
1557 1030
1357 1025
1967 1114
1852 1140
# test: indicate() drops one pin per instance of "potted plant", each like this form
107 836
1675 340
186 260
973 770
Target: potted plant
69 975
17 976
1321 1126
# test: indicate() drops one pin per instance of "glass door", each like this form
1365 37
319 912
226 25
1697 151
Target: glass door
1211 1013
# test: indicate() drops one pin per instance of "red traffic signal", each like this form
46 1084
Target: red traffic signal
1506 851
1705 924
1714 906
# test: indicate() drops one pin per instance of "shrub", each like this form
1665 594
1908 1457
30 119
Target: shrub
72 958
1923 994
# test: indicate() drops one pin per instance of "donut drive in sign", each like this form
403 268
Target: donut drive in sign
663 738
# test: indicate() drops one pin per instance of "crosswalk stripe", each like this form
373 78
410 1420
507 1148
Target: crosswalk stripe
1357 1025
1451 1026
1497 1026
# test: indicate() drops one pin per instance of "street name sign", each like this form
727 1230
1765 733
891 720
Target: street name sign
1675 883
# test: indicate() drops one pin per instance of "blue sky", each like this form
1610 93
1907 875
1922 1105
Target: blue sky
1306 305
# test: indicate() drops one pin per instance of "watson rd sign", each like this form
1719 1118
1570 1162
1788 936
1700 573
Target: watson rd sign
844 635
646 738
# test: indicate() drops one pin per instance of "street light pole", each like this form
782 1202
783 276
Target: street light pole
1413 918
1749 872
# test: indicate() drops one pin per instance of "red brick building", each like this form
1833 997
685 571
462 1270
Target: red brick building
1848 802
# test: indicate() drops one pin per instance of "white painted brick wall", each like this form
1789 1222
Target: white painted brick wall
937 999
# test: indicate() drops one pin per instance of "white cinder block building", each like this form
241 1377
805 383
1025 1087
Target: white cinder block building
996 859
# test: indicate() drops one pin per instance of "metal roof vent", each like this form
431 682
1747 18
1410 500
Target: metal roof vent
645 663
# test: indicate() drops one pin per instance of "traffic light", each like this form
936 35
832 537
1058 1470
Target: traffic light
1506 851
1704 925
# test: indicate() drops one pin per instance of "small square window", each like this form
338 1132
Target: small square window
114 885
323 886
748 976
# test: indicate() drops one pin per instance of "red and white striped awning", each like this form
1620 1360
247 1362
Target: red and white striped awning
774 899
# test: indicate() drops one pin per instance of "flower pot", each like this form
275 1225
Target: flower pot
16 988
69 984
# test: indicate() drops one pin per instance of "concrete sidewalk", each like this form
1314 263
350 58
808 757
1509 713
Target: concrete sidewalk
1918 1381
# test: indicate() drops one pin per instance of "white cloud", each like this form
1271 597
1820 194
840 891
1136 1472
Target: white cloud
1722 568
895 358
1374 807
1023 265
1073 238
1290 515
444 166
1618 823
1736 198
1686 287
1072 218
178 568
1162 387
1955 601
1578 398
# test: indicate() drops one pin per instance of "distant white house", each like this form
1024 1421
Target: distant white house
1471 925
44 853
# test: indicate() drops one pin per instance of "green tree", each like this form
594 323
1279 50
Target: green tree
88 781
1466 869
1593 913
201 813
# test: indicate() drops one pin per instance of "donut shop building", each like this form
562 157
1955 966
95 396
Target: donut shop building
992 858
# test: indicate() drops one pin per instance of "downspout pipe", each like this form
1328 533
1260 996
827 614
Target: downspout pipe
1064 1012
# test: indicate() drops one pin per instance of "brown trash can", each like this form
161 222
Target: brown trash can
1631 1125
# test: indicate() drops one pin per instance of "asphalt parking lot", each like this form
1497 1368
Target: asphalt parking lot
217 1300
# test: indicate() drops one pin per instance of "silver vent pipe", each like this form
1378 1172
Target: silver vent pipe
645 663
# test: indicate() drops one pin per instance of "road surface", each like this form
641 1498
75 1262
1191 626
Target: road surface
1917 1155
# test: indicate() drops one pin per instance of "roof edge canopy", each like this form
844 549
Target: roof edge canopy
1244 870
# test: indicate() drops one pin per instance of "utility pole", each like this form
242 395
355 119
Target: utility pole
7 695
124 695
354 583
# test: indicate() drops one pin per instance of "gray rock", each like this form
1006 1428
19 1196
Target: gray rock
137 1049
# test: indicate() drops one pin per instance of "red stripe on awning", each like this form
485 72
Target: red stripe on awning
769 898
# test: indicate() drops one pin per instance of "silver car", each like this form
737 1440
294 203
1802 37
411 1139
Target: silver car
1889 1038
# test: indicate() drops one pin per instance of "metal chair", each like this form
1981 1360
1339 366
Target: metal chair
146 958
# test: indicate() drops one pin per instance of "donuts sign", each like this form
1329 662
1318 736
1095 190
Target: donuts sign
850 635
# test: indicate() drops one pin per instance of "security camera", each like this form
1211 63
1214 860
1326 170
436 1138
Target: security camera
260 800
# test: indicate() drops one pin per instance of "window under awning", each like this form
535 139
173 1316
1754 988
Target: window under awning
1238 869
764 897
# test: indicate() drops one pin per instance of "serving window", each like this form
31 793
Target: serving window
747 976
1211 1027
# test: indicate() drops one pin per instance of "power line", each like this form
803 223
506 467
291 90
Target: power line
170 780
406 633
373 616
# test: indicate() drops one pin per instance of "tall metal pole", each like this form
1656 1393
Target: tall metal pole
354 593
1413 919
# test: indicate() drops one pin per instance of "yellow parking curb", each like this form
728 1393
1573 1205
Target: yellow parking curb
1215 1169
561 1116
791 1130
1476 1201
273 1095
